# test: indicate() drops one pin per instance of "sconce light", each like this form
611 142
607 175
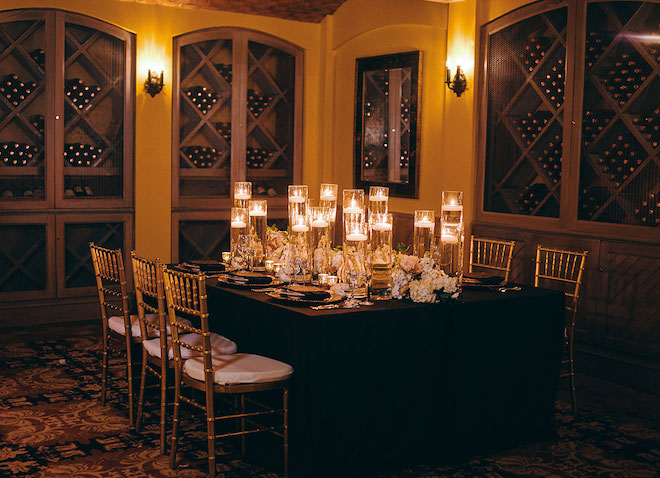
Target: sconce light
154 83
459 84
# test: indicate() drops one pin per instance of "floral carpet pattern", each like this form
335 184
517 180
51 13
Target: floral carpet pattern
52 425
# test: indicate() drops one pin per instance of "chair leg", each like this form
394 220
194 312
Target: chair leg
210 422
163 405
143 377
104 368
129 377
285 432
572 375
243 424
175 421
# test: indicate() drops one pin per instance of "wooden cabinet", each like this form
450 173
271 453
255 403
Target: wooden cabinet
569 156
237 117
66 149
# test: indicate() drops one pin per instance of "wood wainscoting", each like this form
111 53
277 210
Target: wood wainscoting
617 330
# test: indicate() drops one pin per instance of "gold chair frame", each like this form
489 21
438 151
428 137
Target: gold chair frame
148 281
186 293
493 254
111 285
565 267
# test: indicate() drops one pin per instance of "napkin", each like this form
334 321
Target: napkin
246 277
304 292
486 278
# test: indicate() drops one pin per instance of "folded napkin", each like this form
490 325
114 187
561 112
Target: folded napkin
206 265
304 292
486 278
246 277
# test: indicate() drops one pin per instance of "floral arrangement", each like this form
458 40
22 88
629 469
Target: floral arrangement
276 242
421 280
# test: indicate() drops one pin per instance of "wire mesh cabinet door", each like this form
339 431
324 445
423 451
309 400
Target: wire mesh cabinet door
24 171
526 113
620 145
95 100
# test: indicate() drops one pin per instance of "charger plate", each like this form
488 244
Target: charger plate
333 299
222 280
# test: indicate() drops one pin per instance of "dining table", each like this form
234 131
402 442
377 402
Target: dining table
399 383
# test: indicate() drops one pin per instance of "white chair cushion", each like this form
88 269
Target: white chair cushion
116 323
219 346
239 368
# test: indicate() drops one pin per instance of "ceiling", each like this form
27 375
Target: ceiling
301 10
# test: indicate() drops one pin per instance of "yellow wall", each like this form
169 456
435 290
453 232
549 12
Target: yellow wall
359 28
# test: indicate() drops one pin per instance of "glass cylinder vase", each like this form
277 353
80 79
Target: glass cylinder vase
381 256
451 238
320 239
298 263
242 193
298 195
423 230
257 211
239 238
378 199
353 206
356 269
328 198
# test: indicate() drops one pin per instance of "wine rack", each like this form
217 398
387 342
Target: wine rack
202 157
202 98
649 210
81 154
225 71
257 103
17 154
16 90
79 93
256 158
524 139
619 166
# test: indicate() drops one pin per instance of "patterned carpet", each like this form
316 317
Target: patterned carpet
52 425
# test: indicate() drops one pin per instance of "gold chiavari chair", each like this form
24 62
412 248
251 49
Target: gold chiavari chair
491 254
223 375
563 268
157 353
113 295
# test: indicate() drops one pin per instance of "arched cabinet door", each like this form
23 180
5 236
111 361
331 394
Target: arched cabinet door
237 116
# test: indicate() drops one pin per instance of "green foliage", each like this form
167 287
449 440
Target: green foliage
402 248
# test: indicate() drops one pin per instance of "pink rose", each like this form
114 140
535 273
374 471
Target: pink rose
408 263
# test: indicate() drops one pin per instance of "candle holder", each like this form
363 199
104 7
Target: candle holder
226 257
423 230
242 193
257 211
381 256
269 266
353 205
378 199
239 239
328 198
450 257
298 195
298 264
320 239
355 256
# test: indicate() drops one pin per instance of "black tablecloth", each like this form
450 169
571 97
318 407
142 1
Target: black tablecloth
404 383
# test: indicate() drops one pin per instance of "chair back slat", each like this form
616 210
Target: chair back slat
563 268
491 254
186 294
148 279
110 282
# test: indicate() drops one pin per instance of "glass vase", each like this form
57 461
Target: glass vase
328 198
320 239
239 238
242 193
450 257
423 230
356 268
381 256
257 211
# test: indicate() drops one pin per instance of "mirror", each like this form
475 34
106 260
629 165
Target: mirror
386 123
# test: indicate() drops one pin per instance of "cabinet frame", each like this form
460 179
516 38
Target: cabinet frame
572 131
238 170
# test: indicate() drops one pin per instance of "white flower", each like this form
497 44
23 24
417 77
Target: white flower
422 291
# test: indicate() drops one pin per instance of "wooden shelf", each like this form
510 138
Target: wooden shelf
10 171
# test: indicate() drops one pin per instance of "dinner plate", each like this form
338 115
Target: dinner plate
482 278
191 270
334 298
223 280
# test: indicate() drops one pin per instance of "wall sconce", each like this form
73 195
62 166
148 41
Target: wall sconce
459 84
154 83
